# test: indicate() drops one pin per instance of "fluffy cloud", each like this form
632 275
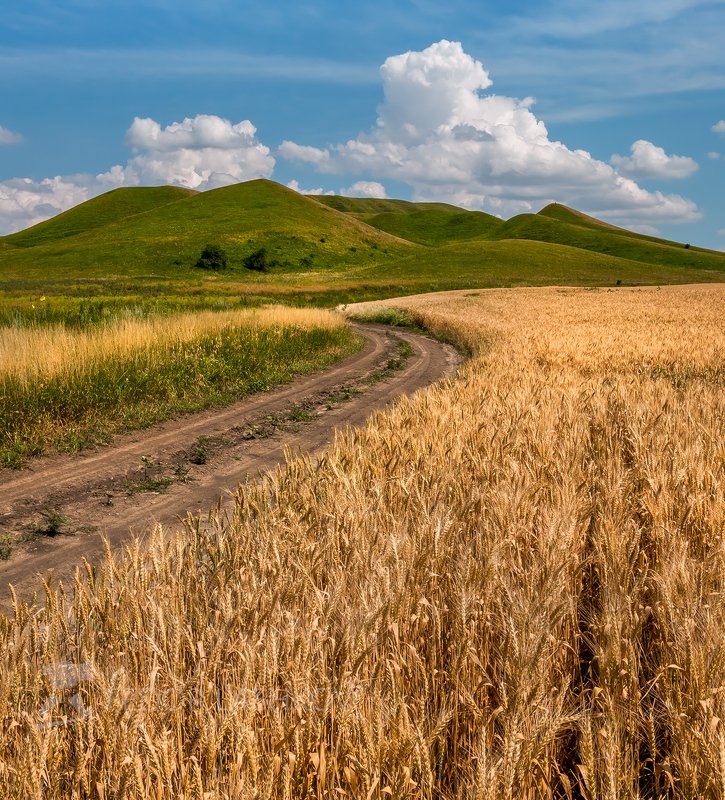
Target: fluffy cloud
649 161
439 133
719 127
24 202
366 189
9 137
358 189
713 155
200 153
298 152
295 186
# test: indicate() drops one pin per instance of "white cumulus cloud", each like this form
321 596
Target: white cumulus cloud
303 153
649 161
719 127
9 137
713 155
295 186
200 153
203 152
24 202
438 132
366 189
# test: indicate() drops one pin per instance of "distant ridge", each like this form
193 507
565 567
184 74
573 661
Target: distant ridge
565 214
422 223
588 233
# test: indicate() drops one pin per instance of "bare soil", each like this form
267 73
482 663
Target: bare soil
62 508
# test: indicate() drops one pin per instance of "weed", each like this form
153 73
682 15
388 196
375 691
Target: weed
53 524
160 484
199 453
181 473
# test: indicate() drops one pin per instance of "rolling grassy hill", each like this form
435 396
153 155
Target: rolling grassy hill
422 223
370 206
565 214
165 238
140 242
603 238
114 206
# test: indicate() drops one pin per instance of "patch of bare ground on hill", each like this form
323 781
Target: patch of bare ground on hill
59 510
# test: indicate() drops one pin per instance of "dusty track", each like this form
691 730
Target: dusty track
92 494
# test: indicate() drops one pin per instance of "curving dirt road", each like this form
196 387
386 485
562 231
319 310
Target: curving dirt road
188 464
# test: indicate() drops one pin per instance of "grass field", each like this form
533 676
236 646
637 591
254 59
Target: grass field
69 387
508 586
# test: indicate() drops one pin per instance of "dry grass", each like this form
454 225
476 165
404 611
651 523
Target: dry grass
30 354
67 388
509 586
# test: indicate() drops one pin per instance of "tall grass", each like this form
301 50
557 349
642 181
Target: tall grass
508 586
67 386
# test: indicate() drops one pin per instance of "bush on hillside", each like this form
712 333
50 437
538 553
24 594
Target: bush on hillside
257 260
212 257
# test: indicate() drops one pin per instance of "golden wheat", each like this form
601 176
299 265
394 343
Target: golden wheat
508 586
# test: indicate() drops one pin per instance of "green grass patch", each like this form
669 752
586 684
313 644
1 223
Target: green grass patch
397 317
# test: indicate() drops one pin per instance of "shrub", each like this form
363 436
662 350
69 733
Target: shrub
257 260
212 257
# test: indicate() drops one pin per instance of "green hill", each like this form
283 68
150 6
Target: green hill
369 206
165 239
472 264
423 223
119 204
572 216
436 227
602 238
134 244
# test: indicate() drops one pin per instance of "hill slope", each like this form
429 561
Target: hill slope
563 213
603 238
113 206
166 239
369 206
423 223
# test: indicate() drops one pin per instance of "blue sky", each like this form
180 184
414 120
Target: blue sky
502 107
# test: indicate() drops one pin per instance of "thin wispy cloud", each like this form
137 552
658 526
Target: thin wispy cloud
9 137
131 63
575 19
590 61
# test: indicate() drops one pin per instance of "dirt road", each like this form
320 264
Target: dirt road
63 506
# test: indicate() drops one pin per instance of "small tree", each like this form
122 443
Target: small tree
256 260
212 257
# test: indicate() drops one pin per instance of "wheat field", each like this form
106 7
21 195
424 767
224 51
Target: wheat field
508 586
